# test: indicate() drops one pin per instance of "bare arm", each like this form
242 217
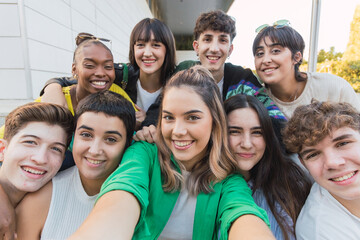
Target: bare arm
7 216
250 227
53 94
115 215
31 213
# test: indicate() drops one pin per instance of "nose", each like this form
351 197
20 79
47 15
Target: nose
333 160
266 58
214 46
245 141
179 128
100 71
147 50
95 147
39 155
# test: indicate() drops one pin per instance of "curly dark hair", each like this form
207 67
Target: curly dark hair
217 21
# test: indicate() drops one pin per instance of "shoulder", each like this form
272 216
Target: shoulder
323 78
185 65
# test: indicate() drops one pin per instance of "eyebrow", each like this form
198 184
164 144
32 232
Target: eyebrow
107 132
271 45
342 137
186 113
339 138
253 128
34 136
92 60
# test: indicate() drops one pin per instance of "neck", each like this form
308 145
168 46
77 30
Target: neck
246 175
14 195
219 74
91 187
150 82
288 91
352 206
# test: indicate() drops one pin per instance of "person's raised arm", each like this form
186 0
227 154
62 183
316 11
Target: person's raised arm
52 91
115 215
53 94
249 227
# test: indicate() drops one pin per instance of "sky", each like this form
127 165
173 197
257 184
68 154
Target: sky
335 19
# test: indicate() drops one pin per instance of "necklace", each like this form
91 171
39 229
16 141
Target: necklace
294 96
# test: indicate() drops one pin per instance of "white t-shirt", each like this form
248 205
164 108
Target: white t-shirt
322 87
144 98
323 217
181 221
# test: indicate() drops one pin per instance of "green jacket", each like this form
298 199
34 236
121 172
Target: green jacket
139 173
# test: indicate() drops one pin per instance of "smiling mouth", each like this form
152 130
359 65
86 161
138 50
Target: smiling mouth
33 171
246 155
149 61
95 162
345 177
98 83
212 58
269 70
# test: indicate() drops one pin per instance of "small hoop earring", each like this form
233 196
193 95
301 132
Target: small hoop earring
75 76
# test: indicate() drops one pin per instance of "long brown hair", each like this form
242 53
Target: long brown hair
218 161
280 179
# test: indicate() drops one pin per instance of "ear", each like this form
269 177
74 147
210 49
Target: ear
297 57
3 145
196 47
302 161
73 69
230 49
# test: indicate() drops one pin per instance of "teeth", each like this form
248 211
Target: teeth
182 143
96 162
268 70
213 58
347 176
33 171
99 83
148 61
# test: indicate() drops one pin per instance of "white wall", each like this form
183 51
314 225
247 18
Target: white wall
37 37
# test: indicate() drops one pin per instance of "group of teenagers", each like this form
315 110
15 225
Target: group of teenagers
201 150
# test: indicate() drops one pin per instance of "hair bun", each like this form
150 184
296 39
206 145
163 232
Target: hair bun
83 36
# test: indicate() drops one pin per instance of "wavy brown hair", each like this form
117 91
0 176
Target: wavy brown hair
312 123
218 161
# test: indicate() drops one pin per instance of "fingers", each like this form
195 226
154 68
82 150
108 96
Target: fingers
147 134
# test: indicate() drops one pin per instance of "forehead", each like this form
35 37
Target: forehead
243 117
101 122
43 131
188 98
213 33
93 50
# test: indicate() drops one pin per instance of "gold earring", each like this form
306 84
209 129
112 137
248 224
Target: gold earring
75 76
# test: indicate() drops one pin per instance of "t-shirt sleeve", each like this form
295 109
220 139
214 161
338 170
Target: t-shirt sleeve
63 81
236 200
133 174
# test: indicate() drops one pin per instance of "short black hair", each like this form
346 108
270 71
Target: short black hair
111 104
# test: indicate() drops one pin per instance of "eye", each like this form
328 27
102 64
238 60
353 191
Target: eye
257 133
276 51
85 135
139 44
157 44
109 67
57 149
193 117
311 155
341 144
168 117
207 39
30 142
224 40
111 139
234 132
259 54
